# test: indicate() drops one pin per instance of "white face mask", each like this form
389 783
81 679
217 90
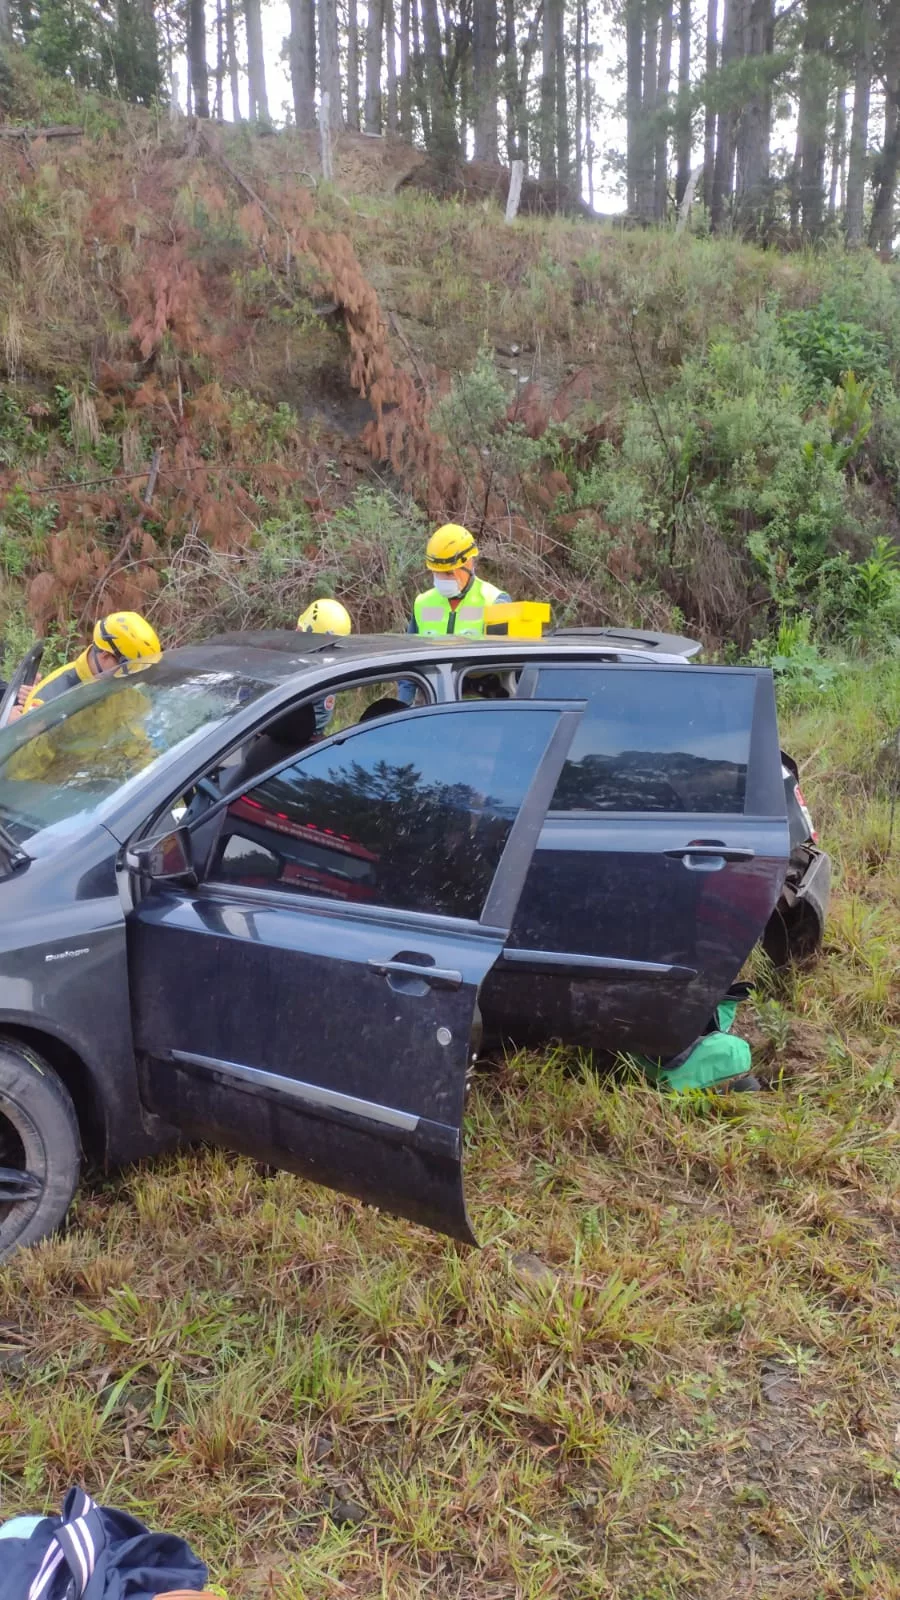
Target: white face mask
446 584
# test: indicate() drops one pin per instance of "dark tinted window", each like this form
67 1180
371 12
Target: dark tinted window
654 740
412 812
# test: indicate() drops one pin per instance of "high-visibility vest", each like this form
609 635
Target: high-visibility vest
435 615
60 681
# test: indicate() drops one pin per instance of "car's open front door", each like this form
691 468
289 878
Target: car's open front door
314 999
26 672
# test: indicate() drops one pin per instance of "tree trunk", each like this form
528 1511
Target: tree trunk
812 121
838 141
859 127
374 46
588 104
444 140
196 45
486 87
709 121
330 61
512 85
5 23
754 128
723 170
634 71
302 56
578 163
256 62
647 141
220 61
517 77
563 142
460 88
352 64
418 76
660 158
683 104
794 191
390 44
406 87
231 52
882 226
547 114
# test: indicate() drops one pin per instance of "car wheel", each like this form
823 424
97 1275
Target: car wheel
40 1149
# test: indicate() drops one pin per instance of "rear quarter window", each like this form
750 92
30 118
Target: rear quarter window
651 740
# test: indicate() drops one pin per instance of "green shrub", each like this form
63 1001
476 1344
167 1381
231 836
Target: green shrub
473 419
859 601
829 345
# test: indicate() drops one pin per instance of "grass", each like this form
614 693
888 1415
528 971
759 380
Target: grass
673 1369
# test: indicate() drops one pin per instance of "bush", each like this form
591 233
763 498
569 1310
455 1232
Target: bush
829 346
859 601
368 555
731 455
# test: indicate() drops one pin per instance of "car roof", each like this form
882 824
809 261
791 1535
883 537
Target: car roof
276 654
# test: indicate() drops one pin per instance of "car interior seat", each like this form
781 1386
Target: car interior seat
285 737
385 707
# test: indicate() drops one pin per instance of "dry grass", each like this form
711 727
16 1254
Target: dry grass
673 1370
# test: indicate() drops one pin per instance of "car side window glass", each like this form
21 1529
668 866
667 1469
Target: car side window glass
650 739
412 812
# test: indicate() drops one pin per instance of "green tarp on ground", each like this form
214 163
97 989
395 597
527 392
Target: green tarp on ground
718 1056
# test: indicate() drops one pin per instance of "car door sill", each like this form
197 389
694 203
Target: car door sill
434 1138
591 966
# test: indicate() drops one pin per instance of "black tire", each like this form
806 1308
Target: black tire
39 1137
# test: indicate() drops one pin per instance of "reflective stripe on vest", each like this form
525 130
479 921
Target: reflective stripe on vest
434 614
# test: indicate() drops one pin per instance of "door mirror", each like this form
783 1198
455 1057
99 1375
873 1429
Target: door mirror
167 858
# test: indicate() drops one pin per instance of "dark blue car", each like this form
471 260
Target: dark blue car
217 922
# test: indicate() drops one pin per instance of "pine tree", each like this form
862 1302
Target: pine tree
302 61
330 60
256 62
374 43
196 49
486 84
859 129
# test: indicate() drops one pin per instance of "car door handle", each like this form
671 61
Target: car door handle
437 977
707 852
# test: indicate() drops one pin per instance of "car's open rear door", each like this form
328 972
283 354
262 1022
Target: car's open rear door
296 1004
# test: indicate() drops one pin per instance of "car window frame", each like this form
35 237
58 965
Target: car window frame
149 829
503 894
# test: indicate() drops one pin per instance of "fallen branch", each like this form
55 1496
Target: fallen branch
235 176
60 131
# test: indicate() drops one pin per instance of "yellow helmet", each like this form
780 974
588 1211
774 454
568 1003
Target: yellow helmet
325 616
451 547
128 636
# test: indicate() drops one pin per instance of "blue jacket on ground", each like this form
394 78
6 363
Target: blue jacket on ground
93 1553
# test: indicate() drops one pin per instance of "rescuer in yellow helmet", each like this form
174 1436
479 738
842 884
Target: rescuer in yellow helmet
121 637
456 600
325 616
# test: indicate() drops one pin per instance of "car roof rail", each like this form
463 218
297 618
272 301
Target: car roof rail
672 644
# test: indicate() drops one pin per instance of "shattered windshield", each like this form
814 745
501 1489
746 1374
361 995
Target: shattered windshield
61 762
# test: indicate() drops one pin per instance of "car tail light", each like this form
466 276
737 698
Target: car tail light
798 796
